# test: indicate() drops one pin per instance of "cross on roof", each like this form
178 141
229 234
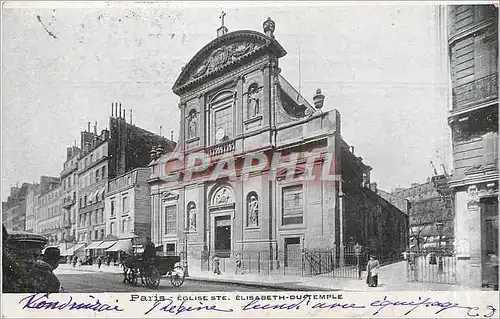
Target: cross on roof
222 15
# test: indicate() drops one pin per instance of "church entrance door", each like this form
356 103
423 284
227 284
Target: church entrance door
222 240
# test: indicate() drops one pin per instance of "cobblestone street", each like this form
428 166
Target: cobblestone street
81 281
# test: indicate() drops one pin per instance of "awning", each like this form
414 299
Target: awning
94 245
107 244
62 249
121 245
72 250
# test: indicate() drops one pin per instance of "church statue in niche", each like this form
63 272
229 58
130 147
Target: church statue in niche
192 125
252 210
253 101
191 217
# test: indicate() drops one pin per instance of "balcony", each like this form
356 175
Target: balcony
221 148
473 93
68 202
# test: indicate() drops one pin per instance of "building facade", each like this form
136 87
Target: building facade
50 215
431 213
69 188
32 207
103 157
14 209
473 119
128 209
235 105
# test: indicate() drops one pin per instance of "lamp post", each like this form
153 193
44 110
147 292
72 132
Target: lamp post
186 272
439 227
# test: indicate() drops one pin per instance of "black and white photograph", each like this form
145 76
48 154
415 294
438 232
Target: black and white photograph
249 149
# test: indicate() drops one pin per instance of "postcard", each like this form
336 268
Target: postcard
249 159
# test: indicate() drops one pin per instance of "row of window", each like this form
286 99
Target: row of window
93 176
98 234
45 227
96 155
88 201
69 181
292 210
125 205
125 227
96 217
48 198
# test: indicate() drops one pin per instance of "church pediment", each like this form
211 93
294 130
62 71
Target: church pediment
222 53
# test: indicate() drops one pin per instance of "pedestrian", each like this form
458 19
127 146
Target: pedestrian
74 261
43 272
216 265
79 260
238 269
99 262
372 272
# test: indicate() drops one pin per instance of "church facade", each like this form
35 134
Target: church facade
257 167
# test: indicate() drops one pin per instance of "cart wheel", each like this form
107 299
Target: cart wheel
177 276
132 276
152 277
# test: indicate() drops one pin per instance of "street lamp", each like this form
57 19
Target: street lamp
439 227
186 272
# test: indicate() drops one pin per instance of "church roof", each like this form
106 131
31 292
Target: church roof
223 53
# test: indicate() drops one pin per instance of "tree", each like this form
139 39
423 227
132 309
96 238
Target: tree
423 218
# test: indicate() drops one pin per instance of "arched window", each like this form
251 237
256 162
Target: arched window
191 216
221 109
252 210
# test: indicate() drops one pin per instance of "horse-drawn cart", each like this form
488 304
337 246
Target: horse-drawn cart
150 272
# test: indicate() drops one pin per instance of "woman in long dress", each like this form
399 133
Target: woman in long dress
372 272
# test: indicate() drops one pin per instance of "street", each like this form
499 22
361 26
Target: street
92 281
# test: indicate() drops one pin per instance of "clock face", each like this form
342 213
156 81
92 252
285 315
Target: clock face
220 134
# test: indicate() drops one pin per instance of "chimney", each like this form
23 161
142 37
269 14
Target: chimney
124 116
130 116
95 128
112 105
105 134
116 109
172 135
120 114
88 127
269 27
352 149
373 187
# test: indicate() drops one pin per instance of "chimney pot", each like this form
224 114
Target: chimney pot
112 105
88 127
120 114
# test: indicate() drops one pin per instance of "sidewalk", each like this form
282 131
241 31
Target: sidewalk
93 268
391 278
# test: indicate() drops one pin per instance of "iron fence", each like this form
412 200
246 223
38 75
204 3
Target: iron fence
327 263
431 266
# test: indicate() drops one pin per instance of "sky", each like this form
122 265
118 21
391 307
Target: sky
379 66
